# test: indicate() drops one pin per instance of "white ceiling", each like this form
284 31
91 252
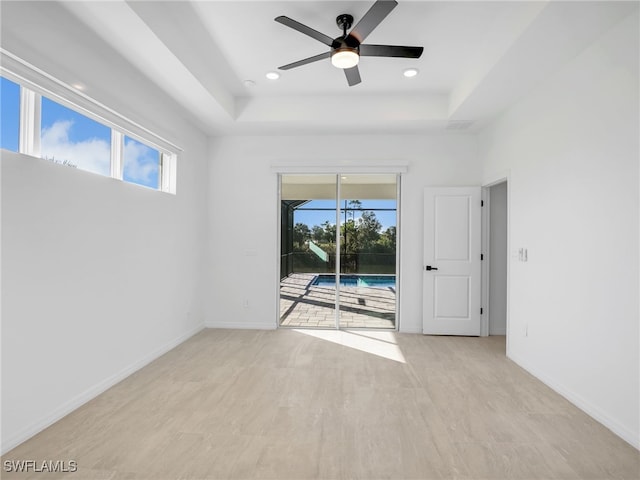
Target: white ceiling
479 57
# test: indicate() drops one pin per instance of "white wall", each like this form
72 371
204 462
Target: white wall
498 259
572 149
243 207
98 278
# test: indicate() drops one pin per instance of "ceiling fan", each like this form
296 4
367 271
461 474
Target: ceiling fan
347 49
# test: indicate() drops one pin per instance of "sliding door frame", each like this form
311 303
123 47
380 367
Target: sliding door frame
338 250
338 174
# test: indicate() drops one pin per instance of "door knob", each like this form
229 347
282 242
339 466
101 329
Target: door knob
429 268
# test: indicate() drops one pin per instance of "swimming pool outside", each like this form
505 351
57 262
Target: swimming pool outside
376 281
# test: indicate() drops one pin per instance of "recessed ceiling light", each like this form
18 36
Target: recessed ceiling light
77 86
273 75
410 72
249 83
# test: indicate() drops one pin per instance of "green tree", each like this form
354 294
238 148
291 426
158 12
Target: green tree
349 235
318 234
368 228
301 234
329 232
387 241
351 208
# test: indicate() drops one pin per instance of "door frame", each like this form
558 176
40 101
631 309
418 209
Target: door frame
397 170
489 182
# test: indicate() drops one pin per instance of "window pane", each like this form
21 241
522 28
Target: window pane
9 114
70 138
368 250
141 164
308 251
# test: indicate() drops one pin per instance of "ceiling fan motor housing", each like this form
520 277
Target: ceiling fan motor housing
345 43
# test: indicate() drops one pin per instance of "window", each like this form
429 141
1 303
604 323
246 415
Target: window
141 164
70 138
42 119
9 115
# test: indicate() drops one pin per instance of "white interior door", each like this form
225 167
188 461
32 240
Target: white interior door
452 268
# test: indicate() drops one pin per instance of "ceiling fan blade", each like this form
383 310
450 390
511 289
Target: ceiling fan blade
321 37
353 75
390 51
299 63
372 19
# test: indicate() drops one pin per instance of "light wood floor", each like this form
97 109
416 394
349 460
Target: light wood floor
287 404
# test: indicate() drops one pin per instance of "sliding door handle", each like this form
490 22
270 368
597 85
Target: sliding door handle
429 268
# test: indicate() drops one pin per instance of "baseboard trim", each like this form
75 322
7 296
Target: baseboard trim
596 413
93 392
240 326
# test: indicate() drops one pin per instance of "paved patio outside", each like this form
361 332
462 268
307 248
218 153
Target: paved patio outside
306 305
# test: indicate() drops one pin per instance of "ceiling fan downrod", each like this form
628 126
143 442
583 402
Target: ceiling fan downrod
344 21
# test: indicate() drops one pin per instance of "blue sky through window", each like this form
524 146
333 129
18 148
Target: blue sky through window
9 115
141 163
71 138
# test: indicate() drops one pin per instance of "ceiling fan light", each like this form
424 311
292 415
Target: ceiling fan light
345 58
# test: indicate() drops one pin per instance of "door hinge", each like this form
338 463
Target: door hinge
482 203
481 310
482 256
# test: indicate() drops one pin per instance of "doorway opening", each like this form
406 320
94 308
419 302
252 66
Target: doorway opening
496 248
338 251
498 259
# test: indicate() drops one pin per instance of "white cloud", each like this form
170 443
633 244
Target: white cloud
92 154
140 163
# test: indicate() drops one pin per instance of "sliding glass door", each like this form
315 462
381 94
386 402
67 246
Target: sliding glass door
338 251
